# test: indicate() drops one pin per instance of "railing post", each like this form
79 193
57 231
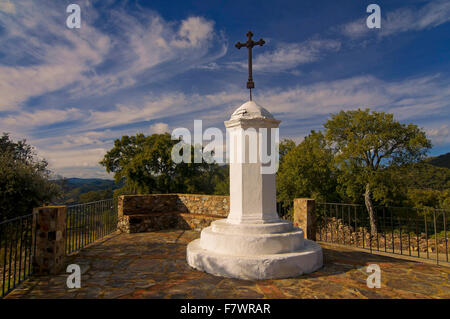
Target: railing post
49 237
305 216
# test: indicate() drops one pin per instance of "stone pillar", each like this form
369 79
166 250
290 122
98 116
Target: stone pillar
305 216
253 242
252 191
49 239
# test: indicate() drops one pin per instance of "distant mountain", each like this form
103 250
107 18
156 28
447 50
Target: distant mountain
440 161
73 188
88 182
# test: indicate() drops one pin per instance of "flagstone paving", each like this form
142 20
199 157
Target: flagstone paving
152 265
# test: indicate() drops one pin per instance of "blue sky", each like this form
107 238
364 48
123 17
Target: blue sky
152 66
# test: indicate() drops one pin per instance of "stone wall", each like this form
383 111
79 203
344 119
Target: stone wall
141 213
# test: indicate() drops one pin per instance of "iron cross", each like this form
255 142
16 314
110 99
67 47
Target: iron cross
250 44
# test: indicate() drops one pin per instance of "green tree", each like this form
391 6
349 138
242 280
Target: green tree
429 198
146 165
286 145
93 196
307 170
366 143
24 179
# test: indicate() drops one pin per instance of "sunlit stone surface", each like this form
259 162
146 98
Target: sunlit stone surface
253 242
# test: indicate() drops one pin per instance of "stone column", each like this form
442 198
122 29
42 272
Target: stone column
253 242
49 239
305 216
252 192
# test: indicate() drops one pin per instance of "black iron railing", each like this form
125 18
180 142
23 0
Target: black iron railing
283 210
421 233
16 250
89 222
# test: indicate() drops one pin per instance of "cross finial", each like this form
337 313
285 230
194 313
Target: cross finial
250 44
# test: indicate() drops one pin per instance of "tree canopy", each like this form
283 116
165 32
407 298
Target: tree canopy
146 166
307 170
366 144
24 179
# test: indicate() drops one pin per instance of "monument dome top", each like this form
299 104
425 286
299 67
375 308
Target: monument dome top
251 110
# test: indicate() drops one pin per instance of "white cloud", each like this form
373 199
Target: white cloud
411 100
37 118
431 15
75 162
287 56
440 135
193 32
159 128
7 6
72 58
355 29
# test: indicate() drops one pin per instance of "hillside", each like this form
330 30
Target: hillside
426 176
73 188
440 161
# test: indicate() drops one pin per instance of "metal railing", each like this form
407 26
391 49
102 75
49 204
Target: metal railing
89 222
421 233
16 250
283 210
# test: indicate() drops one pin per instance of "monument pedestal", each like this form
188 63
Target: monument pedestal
255 251
253 242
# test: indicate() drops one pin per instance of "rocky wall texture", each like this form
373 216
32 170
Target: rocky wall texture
49 239
141 213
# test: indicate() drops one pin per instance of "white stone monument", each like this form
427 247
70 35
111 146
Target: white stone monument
253 242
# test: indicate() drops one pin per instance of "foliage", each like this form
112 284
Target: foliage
366 145
429 198
375 140
286 145
93 196
24 179
307 170
145 164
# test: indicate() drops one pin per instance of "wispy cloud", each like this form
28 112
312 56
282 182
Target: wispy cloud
72 92
85 59
440 135
287 56
159 128
431 15
7 6
412 100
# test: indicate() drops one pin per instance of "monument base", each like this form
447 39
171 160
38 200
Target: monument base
267 251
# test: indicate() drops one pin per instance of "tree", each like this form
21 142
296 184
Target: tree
307 170
146 165
93 196
24 179
286 145
429 198
366 144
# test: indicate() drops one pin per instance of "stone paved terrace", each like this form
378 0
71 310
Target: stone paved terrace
152 265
